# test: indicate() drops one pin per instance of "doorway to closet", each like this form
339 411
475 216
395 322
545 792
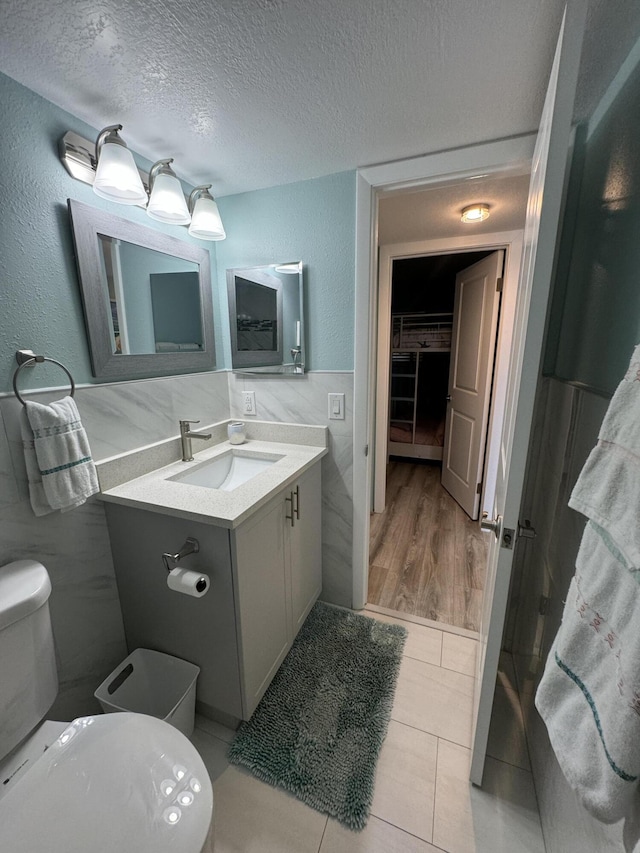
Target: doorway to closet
427 554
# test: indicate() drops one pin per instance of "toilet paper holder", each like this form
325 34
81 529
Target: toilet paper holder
191 546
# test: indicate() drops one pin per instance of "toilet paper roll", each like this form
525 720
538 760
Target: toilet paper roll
188 582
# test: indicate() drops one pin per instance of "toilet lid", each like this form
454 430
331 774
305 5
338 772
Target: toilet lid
119 782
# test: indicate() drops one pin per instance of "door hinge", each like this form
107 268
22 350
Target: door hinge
366 450
478 488
543 605
499 283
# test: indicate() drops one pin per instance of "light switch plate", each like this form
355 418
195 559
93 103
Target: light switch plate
336 407
248 402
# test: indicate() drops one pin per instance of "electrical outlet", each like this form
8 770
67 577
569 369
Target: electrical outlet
336 407
248 402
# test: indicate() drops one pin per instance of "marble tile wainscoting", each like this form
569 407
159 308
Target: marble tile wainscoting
303 400
74 546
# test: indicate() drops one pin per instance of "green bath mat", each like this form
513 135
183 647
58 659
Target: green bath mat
318 730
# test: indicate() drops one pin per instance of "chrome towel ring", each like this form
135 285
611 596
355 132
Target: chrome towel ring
25 358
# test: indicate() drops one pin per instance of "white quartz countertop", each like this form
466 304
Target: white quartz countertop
155 492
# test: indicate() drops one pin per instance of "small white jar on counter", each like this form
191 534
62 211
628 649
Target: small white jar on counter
235 432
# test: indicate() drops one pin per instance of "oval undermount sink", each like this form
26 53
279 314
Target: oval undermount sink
227 471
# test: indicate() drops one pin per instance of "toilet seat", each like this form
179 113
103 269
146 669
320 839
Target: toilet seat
118 782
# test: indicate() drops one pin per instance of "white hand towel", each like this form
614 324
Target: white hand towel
589 695
67 474
621 424
39 502
608 492
608 488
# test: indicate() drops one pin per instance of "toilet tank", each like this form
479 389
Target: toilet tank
28 677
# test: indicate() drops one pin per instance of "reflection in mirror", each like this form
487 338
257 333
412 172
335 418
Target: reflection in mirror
154 299
146 295
266 318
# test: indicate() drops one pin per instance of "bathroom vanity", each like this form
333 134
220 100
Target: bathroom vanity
260 546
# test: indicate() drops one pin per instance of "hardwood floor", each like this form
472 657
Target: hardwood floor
426 556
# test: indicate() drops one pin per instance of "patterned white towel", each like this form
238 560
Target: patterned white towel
589 695
60 470
608 488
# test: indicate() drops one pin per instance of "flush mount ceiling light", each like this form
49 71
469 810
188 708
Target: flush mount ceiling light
117 177
109 167
166 200
205 216
475 212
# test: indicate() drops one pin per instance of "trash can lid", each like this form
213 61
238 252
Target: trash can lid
124 782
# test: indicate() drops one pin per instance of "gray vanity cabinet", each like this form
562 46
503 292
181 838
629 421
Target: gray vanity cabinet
305 546
262 604
265 576
200 630
277 562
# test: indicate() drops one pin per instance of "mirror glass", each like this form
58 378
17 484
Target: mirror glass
146 295
266 318
154 299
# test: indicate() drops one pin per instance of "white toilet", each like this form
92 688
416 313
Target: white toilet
120 782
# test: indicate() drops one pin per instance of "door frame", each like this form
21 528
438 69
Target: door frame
511 243
500 158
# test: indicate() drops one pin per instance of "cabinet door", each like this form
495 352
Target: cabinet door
262 600
305 546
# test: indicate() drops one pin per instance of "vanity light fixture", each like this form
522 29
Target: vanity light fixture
117 177
109 167
205 216
475 212
166 200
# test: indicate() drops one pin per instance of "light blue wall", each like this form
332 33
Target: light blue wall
40 300
310 221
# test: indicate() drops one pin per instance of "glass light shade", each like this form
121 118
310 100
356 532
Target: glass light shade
475 213
206 222
117 177
167 202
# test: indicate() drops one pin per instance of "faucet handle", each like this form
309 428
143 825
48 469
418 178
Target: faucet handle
186 423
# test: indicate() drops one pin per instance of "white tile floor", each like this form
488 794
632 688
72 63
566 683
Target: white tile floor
423 800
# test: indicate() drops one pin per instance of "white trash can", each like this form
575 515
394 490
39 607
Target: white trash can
153 683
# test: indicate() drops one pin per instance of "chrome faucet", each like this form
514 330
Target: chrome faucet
185 437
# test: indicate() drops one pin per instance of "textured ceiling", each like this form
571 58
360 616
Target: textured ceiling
435 213
254 93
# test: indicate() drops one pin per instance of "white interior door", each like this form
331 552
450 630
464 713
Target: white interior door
475 320
543 213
